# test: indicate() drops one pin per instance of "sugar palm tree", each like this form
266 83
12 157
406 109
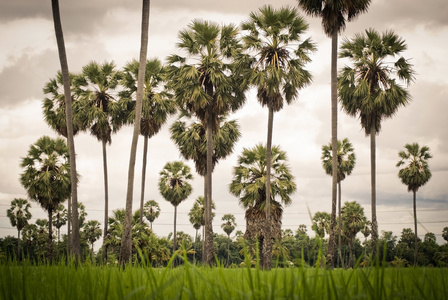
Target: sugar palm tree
175 187
346 162
196 217
334 14
92 233
96 89
157 106
206 86
228 226
59 218
249 185
414 174
74 243
151 211
371 89
353 221
46 176
278 53
321 223
19 214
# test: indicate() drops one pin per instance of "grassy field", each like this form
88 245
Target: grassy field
189 282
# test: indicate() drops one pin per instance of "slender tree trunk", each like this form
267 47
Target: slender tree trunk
50 235
228 250
340 224
18 244
204 260
208 197
334 144
142 191
126 239
267 241
373 192
74 242
106 201
415 228
195 241
175 233
69 223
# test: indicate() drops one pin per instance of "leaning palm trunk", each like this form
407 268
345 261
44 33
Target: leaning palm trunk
208 238
106 201
74 242
334 145
373 187
142 190
267 241
126 240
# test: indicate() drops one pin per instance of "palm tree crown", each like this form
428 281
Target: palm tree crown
416 172
346 159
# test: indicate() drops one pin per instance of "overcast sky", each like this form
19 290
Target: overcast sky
105 30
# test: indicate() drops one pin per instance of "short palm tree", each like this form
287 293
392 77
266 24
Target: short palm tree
334 14
96 87
370 89
151 211
346 159
278 54
92 233
46 176
321 223
206 86
353 221
228 226
60 218
249 185
19 214
175 187
158 105
415 174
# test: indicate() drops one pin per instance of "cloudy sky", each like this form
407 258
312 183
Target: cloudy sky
105 30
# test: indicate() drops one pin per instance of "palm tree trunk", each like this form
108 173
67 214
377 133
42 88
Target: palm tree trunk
69 223
126 239
267 241
195 241
142 191
334 144
340 224
18 244
50 235
228 250
373 187
106 201
208 196
74 242
175 233
415 228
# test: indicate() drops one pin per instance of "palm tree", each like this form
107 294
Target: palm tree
74 244
334 14
19 214
196 217
92 232
157 105
415 174
228 226
174 186
46 176
278 55
249 185
321 223
346 163
95 88
59 218
353 221
206 86
151 211
371 90
126 242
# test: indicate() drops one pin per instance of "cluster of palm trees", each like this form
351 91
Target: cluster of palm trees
268 53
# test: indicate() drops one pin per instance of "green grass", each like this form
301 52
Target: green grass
25 281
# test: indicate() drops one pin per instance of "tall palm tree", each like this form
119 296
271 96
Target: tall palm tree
151 211
415 174
278 55
96 89
46 176
92 232
334 14
249 185
370 89
126 242
228 226
157 105
59 218
346 159
206 86
19 214
75 246
353 221
175 187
